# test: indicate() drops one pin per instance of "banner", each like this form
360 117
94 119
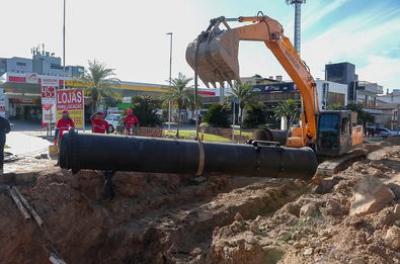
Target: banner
48 92
73 101
50 82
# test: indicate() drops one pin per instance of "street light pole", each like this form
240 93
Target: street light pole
64 43
170 78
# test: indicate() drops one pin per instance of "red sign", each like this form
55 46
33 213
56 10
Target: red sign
70 99
210 93
16 79
48 92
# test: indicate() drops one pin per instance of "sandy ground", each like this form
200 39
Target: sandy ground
352 217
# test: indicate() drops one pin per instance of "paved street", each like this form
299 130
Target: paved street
26 145
25 140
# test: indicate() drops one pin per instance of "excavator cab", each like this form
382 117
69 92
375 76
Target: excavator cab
334 136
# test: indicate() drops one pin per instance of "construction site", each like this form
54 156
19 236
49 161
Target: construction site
349 217
319 190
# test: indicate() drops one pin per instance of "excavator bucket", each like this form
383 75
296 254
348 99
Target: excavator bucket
217 56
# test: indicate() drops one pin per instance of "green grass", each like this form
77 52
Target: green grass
191 134
244 133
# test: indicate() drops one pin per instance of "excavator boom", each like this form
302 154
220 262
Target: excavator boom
214 56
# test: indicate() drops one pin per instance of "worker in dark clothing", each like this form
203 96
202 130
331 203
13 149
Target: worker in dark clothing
4 129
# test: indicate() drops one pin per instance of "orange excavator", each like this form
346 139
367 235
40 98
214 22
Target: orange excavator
214 58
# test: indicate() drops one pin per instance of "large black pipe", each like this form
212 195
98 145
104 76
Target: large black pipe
141 154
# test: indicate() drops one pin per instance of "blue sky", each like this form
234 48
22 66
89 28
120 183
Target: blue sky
130 35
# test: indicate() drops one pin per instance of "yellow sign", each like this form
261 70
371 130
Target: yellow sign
119 86
76 115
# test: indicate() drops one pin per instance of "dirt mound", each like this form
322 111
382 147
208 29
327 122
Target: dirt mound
153 219
318 228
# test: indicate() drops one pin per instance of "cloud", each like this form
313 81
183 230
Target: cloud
353 40
320 11
384 70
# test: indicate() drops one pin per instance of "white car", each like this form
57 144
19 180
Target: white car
384 132
113 120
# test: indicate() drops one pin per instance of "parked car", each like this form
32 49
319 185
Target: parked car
385 132
114 120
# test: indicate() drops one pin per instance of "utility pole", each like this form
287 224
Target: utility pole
297 22
64 43
170 78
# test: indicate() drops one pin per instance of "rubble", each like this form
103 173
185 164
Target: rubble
370 196
392 238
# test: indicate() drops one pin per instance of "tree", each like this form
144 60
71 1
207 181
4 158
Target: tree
337 106
243 93
179 95
256 116
362 116
101 79
287 109
217 116
146 110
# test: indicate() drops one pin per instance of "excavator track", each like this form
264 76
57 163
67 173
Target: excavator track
332 166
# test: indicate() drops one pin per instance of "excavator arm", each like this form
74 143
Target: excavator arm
214 57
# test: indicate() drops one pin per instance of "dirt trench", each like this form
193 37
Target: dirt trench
155 218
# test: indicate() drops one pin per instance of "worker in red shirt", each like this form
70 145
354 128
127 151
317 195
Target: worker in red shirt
130 122
63 125
99 125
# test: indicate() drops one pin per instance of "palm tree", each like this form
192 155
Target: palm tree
244 95
179 95
101 79
287 109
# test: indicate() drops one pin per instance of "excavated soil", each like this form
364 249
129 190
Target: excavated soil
318 227
154 218
167 218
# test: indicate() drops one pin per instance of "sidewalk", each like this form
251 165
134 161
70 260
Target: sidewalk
22 144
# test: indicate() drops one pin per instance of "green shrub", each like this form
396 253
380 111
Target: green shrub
217 116
255 116
146 110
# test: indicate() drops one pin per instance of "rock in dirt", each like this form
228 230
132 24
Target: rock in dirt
309 210
386 217
396 211
392 238
326 185
370 196
308 252
333 208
